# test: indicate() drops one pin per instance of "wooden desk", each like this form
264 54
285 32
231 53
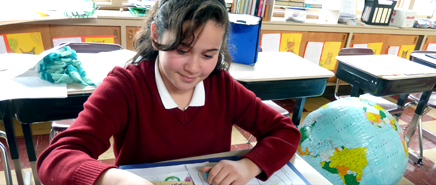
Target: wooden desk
313 176
363 75
282 75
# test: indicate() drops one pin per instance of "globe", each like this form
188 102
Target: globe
354 141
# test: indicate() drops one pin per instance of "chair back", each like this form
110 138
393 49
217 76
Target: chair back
84 47
421 51
355 51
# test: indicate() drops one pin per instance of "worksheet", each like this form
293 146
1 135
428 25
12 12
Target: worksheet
193 173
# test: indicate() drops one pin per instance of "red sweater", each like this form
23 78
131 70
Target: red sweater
128 107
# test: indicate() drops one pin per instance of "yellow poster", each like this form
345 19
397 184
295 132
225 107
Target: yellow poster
405 51
291 42
29 43
329 53
101 39
376 47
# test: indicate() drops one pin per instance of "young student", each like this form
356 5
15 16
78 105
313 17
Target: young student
175 101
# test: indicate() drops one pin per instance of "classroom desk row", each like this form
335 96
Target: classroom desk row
274 76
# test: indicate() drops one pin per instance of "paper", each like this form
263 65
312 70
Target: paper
348 8
100 39
431 46
28 43
193 173
60 40
3 46
313 51
376 47
270 42
362 45
98 65
14 64
405 51
329 53
290 42
31 87
393 50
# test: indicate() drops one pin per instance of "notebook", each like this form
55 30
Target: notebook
431 55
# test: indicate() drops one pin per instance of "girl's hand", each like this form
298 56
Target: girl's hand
118 176
232 172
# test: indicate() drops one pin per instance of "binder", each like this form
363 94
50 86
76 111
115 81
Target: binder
244 38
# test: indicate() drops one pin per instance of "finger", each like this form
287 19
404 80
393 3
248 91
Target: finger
206 169
229 179
220 176
214 172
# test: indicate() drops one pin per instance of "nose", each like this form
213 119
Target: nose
193 66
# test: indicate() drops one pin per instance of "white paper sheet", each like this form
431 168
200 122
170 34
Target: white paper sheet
360 45
393 50
284 176
14 64
431 47
2 45
169 173
271 42
58 41
313 51
31 87
193 173
98 65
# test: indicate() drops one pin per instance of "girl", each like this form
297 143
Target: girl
175 101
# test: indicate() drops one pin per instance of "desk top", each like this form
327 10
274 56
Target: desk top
273 66
313 176
388 67
429 61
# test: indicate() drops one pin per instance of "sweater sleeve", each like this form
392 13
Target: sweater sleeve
72 156
277 137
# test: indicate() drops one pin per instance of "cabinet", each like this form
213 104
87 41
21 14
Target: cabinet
316 37
131 32
387 40
71 31
26 28
429 39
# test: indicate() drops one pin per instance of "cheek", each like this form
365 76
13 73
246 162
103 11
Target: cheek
209 66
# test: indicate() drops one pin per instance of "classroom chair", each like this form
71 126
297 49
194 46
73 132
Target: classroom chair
270 103
392 108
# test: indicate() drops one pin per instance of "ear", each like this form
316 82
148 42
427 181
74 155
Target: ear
154 34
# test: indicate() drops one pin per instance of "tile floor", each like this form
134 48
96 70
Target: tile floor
422 175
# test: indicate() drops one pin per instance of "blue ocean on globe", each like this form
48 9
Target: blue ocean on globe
354 141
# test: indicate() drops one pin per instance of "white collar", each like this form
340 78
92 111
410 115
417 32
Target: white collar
197 100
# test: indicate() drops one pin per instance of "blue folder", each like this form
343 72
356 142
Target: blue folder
234 158
244 37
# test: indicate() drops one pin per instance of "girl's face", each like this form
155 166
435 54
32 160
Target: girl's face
183 68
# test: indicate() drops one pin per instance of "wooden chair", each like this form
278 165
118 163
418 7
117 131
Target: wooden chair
392 108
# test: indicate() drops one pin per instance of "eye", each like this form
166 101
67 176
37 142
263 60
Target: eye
180 51
207 56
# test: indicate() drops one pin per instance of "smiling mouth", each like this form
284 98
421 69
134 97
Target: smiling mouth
187 79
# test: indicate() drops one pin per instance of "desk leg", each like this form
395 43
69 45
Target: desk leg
12 142
400 103
298 110
416 122
28 137
355 89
